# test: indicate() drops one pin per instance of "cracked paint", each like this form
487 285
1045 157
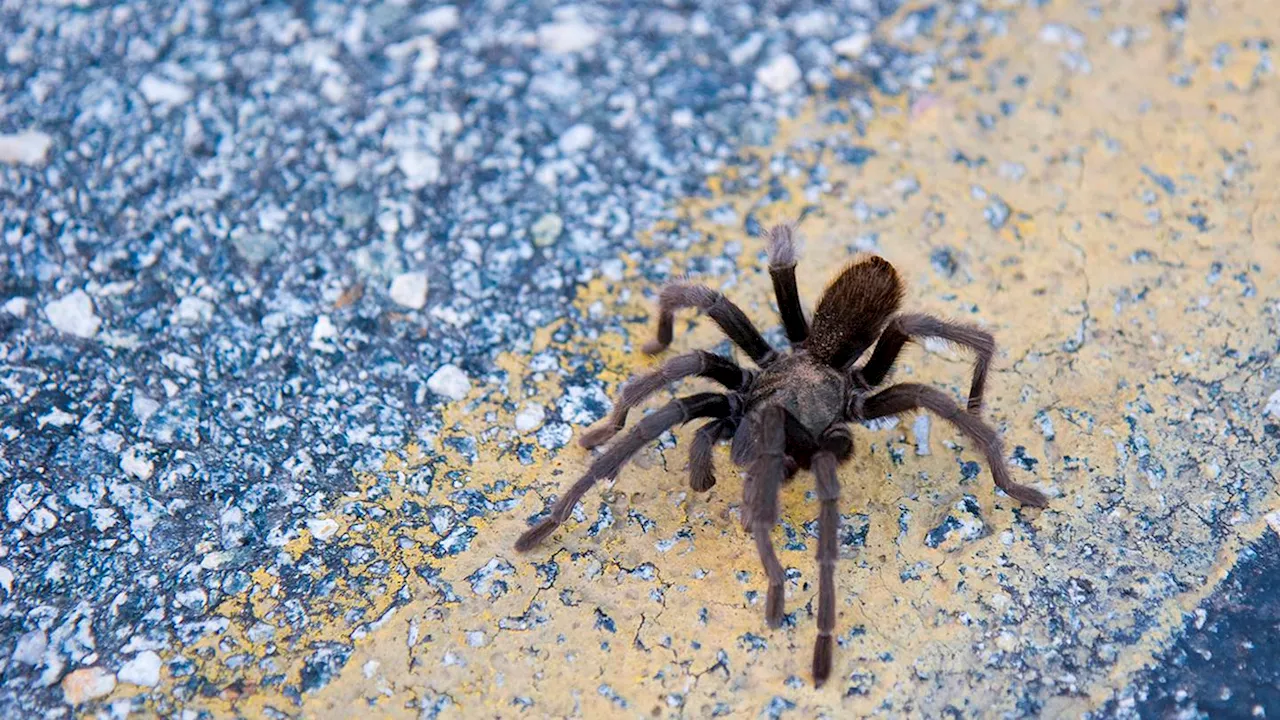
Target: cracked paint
1098 192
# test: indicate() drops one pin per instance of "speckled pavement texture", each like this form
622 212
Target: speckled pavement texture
304 305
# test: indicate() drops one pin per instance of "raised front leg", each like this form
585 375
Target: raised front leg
782 270
908 327
732 321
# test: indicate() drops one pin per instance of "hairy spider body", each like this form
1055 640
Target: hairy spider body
794 412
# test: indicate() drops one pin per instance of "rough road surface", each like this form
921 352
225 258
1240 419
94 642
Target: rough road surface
303 306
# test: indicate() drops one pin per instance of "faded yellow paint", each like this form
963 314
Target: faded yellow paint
1056 284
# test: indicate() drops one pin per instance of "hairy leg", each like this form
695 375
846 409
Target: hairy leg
760 503
732 321
701 470
677 411
836 446
906 327
782 269
635 391
910 396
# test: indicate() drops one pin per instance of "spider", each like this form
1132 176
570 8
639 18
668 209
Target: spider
794 412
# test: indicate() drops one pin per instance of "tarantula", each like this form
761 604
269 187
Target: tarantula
794 412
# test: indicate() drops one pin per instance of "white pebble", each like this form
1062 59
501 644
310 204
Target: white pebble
135 462
439 20
426 51
16 307
920 431
30 648
143 405
530 418
40 521
324 335
450 382
410 290
143 669
779 74
322 528
1273 405
333 90
29 147
159 91
87 684
345 172
853 46
747 49
546 229
567 36
56 417
577 138
74 315
420 168
192 310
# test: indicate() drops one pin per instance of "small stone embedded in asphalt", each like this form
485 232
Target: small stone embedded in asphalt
324 335
944 261
143 669
439 20
322 529
554 435
16 307
159 91
530 418
449 381
546 229
420 167
962 524
74 314
779 73
577 139
920 433
135 462
87 684
409 290
193 310
30 648
852 46
568 36
996 213
29 147
1273 405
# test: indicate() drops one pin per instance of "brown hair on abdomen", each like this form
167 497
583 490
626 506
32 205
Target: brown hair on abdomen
853 310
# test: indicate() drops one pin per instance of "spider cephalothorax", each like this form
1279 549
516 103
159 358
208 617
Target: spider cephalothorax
794 412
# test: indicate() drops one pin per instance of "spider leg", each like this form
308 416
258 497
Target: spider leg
701 470
782 269
835 446
760 503
678 411
904 397
906 327
732 321
635 391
